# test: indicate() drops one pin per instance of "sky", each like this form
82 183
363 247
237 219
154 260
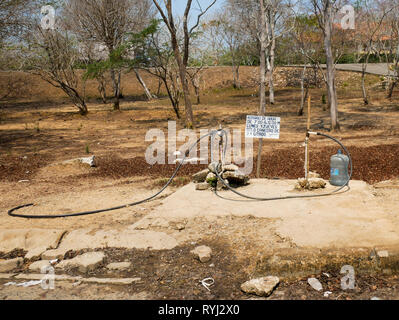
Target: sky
180 5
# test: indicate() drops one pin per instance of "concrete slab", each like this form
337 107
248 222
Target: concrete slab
108 281
29 239
129 239
352 219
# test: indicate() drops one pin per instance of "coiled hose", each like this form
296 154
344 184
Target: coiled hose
86 213
212 134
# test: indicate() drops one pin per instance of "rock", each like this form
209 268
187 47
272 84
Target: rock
211 178
200 176
85 262
262 287
317 183
236 178
53 254
38 265
202 186
213 166
375 298
202 253
230 167
35 253
9 265
119 266
91 161
28 239
383 254
314 175
220 186
311 184
178 224
315 284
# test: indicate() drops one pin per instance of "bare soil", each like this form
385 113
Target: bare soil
39 129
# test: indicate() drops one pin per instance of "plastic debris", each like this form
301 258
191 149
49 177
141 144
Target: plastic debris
207 283
24 284
315 284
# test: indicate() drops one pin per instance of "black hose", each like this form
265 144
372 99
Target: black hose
12 214
289 197
212 134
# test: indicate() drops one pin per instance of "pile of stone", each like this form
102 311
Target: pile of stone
207 179
313 182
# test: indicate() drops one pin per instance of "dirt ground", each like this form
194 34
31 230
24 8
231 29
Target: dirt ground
40 130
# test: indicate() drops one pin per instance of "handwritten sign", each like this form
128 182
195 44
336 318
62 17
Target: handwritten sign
263 127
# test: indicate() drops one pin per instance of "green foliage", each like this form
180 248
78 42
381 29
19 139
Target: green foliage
119 59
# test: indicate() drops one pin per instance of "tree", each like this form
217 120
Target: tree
370 20
230 34
11 17
158 60
181 54
107 22
55 58
324 10
306 39
391 44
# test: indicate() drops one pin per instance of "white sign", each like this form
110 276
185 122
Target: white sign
263 127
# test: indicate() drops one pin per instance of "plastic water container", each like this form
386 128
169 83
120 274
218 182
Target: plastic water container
339 169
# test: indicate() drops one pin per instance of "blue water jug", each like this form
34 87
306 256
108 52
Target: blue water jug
339 169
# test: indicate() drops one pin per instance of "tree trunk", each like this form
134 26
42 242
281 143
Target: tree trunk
159 88
102 89
116 83
197 93
262 86
186 92
272 66
303 95
175 102
391 88
364 91
331 89
83 108
141 81
236 74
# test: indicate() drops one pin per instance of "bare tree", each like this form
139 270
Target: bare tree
181 54
159 61
230 33
11 17
324 10
107 22
370 21
54 58
391 46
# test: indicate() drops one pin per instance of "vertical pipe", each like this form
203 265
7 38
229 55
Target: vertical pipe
307 156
